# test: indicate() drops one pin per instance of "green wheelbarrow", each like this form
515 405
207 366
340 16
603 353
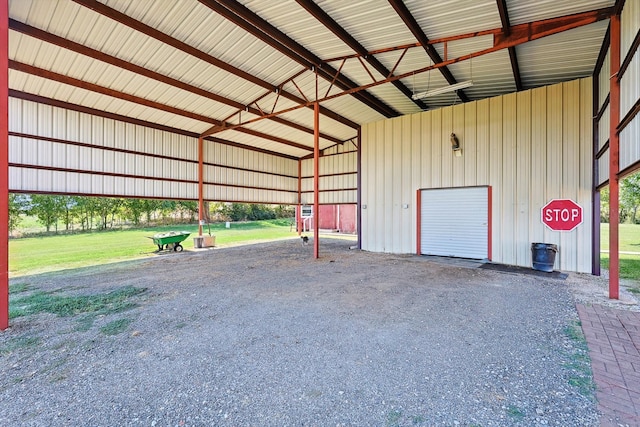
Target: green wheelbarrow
170 240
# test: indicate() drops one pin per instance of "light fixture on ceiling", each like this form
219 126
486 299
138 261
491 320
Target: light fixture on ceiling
441 90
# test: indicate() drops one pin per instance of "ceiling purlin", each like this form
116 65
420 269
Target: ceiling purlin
100 56
263 30
411 23
347 38
518 34
506 28
50 75
118 117
177 44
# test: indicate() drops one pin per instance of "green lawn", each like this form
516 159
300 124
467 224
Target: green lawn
629 236
50 253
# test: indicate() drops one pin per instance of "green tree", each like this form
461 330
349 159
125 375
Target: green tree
83 210
105 207
604 205
190 208
630 196
133 210
149 207
236 211
48 209
67 204
16 206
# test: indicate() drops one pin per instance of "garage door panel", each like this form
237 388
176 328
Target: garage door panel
455 222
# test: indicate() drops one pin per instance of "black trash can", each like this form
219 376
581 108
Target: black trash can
544 256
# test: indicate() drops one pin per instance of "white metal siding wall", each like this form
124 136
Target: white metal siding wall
530 147
157 165
338 176
249 176
455 222
630 85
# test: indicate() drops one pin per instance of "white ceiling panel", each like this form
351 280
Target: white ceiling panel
373 23
561 57
446 18
521 12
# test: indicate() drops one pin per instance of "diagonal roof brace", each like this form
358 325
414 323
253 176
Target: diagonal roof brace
92 53
336 29
164 38
263 30
519 34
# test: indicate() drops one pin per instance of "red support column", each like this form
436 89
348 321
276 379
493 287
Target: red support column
614 160
316 179
4 164
359 191
299 210
200 185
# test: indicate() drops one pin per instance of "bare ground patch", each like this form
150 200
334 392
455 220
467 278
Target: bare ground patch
266 335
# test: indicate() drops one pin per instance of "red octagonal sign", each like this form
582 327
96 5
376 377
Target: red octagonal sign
562 215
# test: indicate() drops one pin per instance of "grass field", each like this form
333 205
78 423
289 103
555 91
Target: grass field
59 252
629 242
51 253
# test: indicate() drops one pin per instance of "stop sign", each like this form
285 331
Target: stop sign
562 215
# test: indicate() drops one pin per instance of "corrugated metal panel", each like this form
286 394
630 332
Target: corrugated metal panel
100 132
521 12
546 131
603 79
455 222
338 178
294 21
630 85
630 144
603 128
451 17
561 57
373 23
603 168
629 26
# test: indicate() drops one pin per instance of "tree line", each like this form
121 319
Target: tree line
84 213
629 200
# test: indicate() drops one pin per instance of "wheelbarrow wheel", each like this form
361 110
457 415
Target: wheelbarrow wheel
178 247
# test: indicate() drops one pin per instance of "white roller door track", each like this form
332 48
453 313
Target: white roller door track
455 222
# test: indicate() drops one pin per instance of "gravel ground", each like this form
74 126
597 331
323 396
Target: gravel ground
264 335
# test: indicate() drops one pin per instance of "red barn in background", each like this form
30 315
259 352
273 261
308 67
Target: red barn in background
340 218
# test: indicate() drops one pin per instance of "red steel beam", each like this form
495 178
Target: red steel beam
100 113
316 181
359 185
200 185
346 37
4 164
244 18
100 56
411 23
184 47
523 33
299 210
50 75
614 160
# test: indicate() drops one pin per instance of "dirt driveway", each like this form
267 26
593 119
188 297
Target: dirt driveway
264 335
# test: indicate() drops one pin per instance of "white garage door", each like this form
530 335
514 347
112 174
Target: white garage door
456 222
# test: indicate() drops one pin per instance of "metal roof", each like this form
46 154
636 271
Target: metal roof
214 65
